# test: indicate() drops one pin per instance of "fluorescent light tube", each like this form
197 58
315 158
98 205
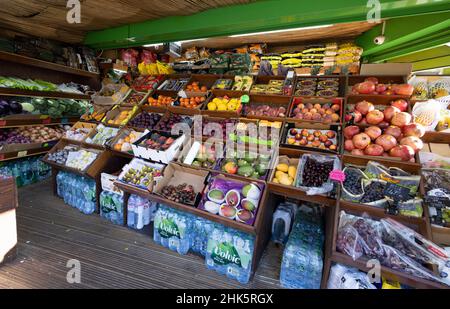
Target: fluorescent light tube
153 45
278 31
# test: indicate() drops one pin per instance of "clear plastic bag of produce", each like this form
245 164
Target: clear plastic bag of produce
411 208
353 181
314 173
358 236
428 113
343 277
374 193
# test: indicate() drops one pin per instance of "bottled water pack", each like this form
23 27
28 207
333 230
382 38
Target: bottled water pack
111 207
202 228
77 191
140 212
302 262
26 171
230 253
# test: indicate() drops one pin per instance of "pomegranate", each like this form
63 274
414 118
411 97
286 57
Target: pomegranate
389 113
413 141
401 119
404 152
364 107
361 140
383 124
366 87
394 131
380 88
401 104
374 117
372 79
374 150
373 132
404 89
363 122
351 131
357 152
386 141
414 129
348 145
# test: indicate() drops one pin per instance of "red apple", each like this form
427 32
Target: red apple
374 117
366 87
364 107
404 89
394 131
401 119
373 132
389 113
374 150
386 141
348 145
351 131
413 141
380 88
402 151
414 129
372 79
361 140
401 104
363 122
357 152
357 116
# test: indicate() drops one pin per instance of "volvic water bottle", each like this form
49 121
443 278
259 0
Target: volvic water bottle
131 213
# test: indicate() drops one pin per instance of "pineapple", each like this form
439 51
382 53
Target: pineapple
439 89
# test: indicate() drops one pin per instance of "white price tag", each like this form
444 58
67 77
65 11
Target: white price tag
22 153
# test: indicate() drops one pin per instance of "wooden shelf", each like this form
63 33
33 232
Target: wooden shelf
34 120
15 58
24 153
436 137
388 273
45 94
295 193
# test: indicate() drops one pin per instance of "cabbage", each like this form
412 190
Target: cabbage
28 107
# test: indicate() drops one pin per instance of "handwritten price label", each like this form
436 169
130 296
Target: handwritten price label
337 175
22 154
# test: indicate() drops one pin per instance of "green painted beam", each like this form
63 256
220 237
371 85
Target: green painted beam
428 64
254 17
433 58
401 31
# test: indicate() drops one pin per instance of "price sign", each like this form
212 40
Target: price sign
22 153
2 123
396 192
46 120
337 175
2 156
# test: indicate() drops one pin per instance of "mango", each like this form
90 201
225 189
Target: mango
283 167
274 180
292 171
285 180
279 174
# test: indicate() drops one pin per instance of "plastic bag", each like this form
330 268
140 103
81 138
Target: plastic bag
148 57
347 193
427 113
343 277
191 53
314 175
129 56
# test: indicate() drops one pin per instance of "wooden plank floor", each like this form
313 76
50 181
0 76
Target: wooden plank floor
111 256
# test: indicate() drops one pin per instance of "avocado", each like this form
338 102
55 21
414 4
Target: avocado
261 168
255 175
245 171
242 162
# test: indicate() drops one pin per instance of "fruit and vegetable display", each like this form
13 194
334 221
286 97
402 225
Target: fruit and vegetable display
102 135
326 112
391 133
161 100
258 110
242 83
196 87
207 127
127 138
27 135
55 108
77 133
372 86
376 185
182 193
141 174
192 102
263 133
145 120
80 159
285 173
433 115
60 156
222 84
224 104
135 98
320 87
232 199
157 141
320 139
167 123
393 244
430 87
146 83
11 107
272 87
18 83
97 113
120 118
437 196
174 84
205 157
247 164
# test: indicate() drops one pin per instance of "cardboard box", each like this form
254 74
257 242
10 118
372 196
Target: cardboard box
107 181
162 156
138 164
375 69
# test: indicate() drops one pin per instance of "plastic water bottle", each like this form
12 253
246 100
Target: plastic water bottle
146 214
131 214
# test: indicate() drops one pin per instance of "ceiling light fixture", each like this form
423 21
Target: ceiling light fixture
153 45
278 31
448 44
188 41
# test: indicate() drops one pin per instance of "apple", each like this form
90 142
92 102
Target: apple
364 107
351 131
366 87
401 119
394 131
386 141
401 104
372 79
389 112
373 132
361 140
403 89
413 141
374 117
404 152
380 88
348 145
363 122
414 129
357 152
374 150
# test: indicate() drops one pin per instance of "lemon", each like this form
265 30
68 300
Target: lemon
216 101
212 106
221 107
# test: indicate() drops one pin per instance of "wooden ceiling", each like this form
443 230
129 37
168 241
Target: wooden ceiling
47 18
